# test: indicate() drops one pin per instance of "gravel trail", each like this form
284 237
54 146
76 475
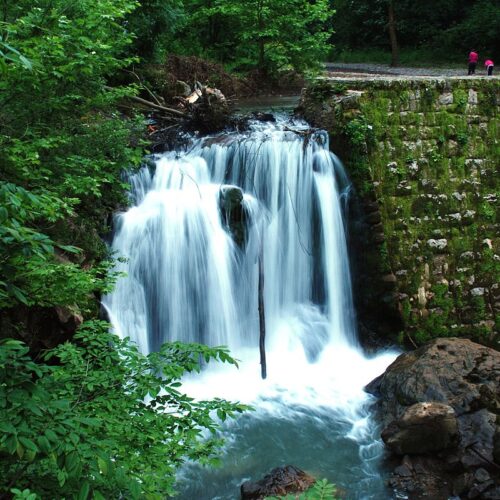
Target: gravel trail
383 71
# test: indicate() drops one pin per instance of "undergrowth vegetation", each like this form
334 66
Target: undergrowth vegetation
97 419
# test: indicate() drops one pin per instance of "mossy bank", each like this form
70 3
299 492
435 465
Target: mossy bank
424 156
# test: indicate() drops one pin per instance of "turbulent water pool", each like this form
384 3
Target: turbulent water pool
189 278
315 416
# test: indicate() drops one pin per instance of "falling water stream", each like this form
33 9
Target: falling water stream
190 279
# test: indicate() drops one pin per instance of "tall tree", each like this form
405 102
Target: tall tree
445 29
269 34
391 26
154 24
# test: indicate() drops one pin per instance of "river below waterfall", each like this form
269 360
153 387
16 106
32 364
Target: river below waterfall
200 222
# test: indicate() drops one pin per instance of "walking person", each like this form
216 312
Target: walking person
489 65
473 58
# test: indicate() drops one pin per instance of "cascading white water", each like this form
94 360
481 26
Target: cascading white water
187 279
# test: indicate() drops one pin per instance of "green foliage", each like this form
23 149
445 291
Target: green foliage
8 53
479 308
460 100
441 306
462 138
428 98
400 339
435 157
154 24
272 35
26 494
359 132
321 490
62 148
489 101
29 272
320 89
103 419
486 211
385 261
409 56
422 336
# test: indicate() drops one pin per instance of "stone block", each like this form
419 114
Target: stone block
472 97
445 99
439 244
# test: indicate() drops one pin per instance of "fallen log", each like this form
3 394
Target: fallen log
153 105
157 106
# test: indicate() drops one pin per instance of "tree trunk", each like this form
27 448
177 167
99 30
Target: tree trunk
262 43
262 68
262 317
392 35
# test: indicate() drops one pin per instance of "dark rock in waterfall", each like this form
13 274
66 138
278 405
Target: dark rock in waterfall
452 374
263 117
279 482
233 212
423 427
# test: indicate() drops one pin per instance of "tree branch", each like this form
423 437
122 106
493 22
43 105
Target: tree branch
153 105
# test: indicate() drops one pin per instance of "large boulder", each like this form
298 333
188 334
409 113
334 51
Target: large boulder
423 428
445 396
457 372
279 482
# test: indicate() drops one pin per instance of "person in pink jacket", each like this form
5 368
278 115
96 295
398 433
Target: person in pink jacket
489 65
473 58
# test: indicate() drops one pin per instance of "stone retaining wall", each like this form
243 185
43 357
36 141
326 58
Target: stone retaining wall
424 156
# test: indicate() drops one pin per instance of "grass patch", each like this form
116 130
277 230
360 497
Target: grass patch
418 58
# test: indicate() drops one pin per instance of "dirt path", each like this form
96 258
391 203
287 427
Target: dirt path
384 71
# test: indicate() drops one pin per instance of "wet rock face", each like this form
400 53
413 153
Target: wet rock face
233 212
457 372
423 428
441 408
263 117
279 482
41 327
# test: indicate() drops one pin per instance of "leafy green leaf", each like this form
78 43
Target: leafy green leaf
27 443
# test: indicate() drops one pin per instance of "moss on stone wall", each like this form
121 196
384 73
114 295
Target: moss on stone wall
428 153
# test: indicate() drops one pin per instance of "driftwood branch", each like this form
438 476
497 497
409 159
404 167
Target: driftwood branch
153 105
157 106
144 86
262 317
302 133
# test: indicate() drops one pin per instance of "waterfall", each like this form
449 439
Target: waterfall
191 244
188 280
